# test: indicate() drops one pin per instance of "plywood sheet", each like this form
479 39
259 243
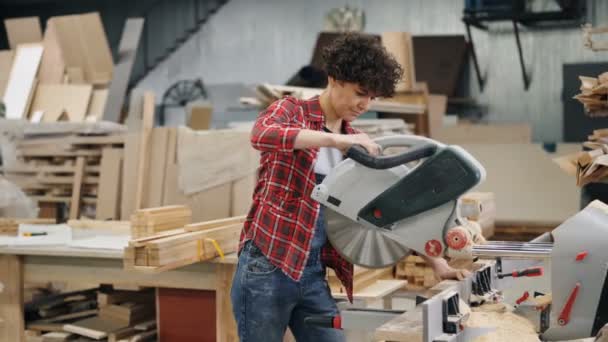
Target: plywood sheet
21 80
22 30
210 158
55 99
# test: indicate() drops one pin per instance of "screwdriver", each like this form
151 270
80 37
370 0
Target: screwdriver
528 272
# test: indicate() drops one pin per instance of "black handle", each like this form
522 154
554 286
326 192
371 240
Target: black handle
359 154
320 321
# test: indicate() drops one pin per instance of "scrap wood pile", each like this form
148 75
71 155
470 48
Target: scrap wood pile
98 313
73 163
594 95
590 165
183 246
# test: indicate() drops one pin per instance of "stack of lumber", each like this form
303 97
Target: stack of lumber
64 74
72 166
480 207
417 273
151 221
180 247
594 95
588 166
362 278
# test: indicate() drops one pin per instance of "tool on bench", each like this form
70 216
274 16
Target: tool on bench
528 272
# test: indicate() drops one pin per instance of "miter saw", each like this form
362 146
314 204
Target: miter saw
379 209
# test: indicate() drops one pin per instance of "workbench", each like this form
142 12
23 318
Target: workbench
66 264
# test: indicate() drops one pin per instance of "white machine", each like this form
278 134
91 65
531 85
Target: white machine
379 209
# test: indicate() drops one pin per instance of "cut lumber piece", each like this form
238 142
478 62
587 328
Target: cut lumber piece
76 188
22 80
158 159
58 336
108 195
67 317
144 142
22 30
146 222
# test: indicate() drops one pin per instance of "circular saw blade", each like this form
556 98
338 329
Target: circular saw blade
362 245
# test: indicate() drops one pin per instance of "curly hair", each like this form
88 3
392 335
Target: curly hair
361 59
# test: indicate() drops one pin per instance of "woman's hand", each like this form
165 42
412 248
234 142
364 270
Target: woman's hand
344 141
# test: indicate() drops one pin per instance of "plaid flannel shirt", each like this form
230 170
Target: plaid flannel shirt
281 221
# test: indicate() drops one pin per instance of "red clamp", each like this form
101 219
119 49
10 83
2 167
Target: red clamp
564 316
523 298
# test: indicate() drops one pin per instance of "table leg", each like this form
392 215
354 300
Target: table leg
225 324
12 325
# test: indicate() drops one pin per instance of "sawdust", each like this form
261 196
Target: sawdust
509 326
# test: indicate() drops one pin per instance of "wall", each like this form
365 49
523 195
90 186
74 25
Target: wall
268 40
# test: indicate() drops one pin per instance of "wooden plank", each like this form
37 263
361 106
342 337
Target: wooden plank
399 44
108 195
21 82
55 99
127 50
158 161
74 75
52 66
22 31
6 63
144 143
436 108
11 298
76 188
99 65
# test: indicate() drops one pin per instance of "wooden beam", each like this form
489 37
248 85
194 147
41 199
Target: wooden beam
76 188
225 323
144 142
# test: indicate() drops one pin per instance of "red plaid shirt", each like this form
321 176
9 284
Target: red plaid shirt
281 221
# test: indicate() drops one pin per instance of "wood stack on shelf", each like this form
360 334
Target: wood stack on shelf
593 96
70 166
480 207
148 222
362 278
10 226
179 247
122 315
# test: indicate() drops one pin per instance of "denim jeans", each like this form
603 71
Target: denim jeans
265 301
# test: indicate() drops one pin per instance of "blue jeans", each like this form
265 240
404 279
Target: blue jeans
265 301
